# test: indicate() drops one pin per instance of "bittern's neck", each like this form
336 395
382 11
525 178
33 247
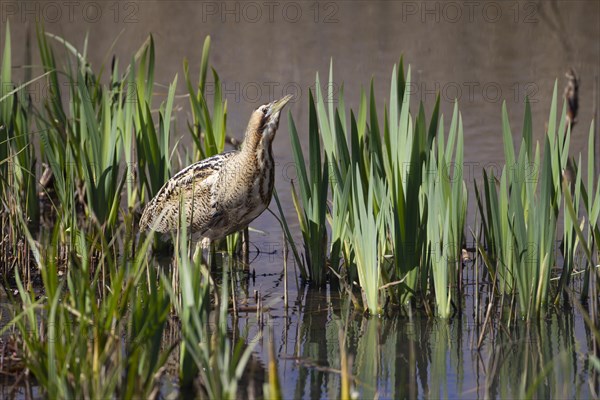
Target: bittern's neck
252 143
256 145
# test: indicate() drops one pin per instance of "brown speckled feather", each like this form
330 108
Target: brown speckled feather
224 193
162 212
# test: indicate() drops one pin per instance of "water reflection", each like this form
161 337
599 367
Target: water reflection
409 356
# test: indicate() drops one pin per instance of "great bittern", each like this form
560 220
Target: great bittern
222 194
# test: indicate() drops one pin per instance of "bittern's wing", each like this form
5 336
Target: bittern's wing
162 212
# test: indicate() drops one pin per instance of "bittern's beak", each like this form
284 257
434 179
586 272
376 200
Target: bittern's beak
277 105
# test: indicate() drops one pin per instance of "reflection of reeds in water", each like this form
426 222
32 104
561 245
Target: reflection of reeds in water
396 357
541 366
421 358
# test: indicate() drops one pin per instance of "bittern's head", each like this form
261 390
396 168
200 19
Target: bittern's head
265 119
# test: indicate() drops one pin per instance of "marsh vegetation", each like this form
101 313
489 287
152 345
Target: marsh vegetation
385 258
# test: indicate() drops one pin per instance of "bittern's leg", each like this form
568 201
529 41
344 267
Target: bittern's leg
197 257
200 246
210 252
246 248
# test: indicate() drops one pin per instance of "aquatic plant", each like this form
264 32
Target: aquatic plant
72 337
378 182
17 154
312 208
520 218
368 242
83 141
152 165
205 351
209 129
447 209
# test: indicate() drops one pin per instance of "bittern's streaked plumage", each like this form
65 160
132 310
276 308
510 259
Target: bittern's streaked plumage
222 194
